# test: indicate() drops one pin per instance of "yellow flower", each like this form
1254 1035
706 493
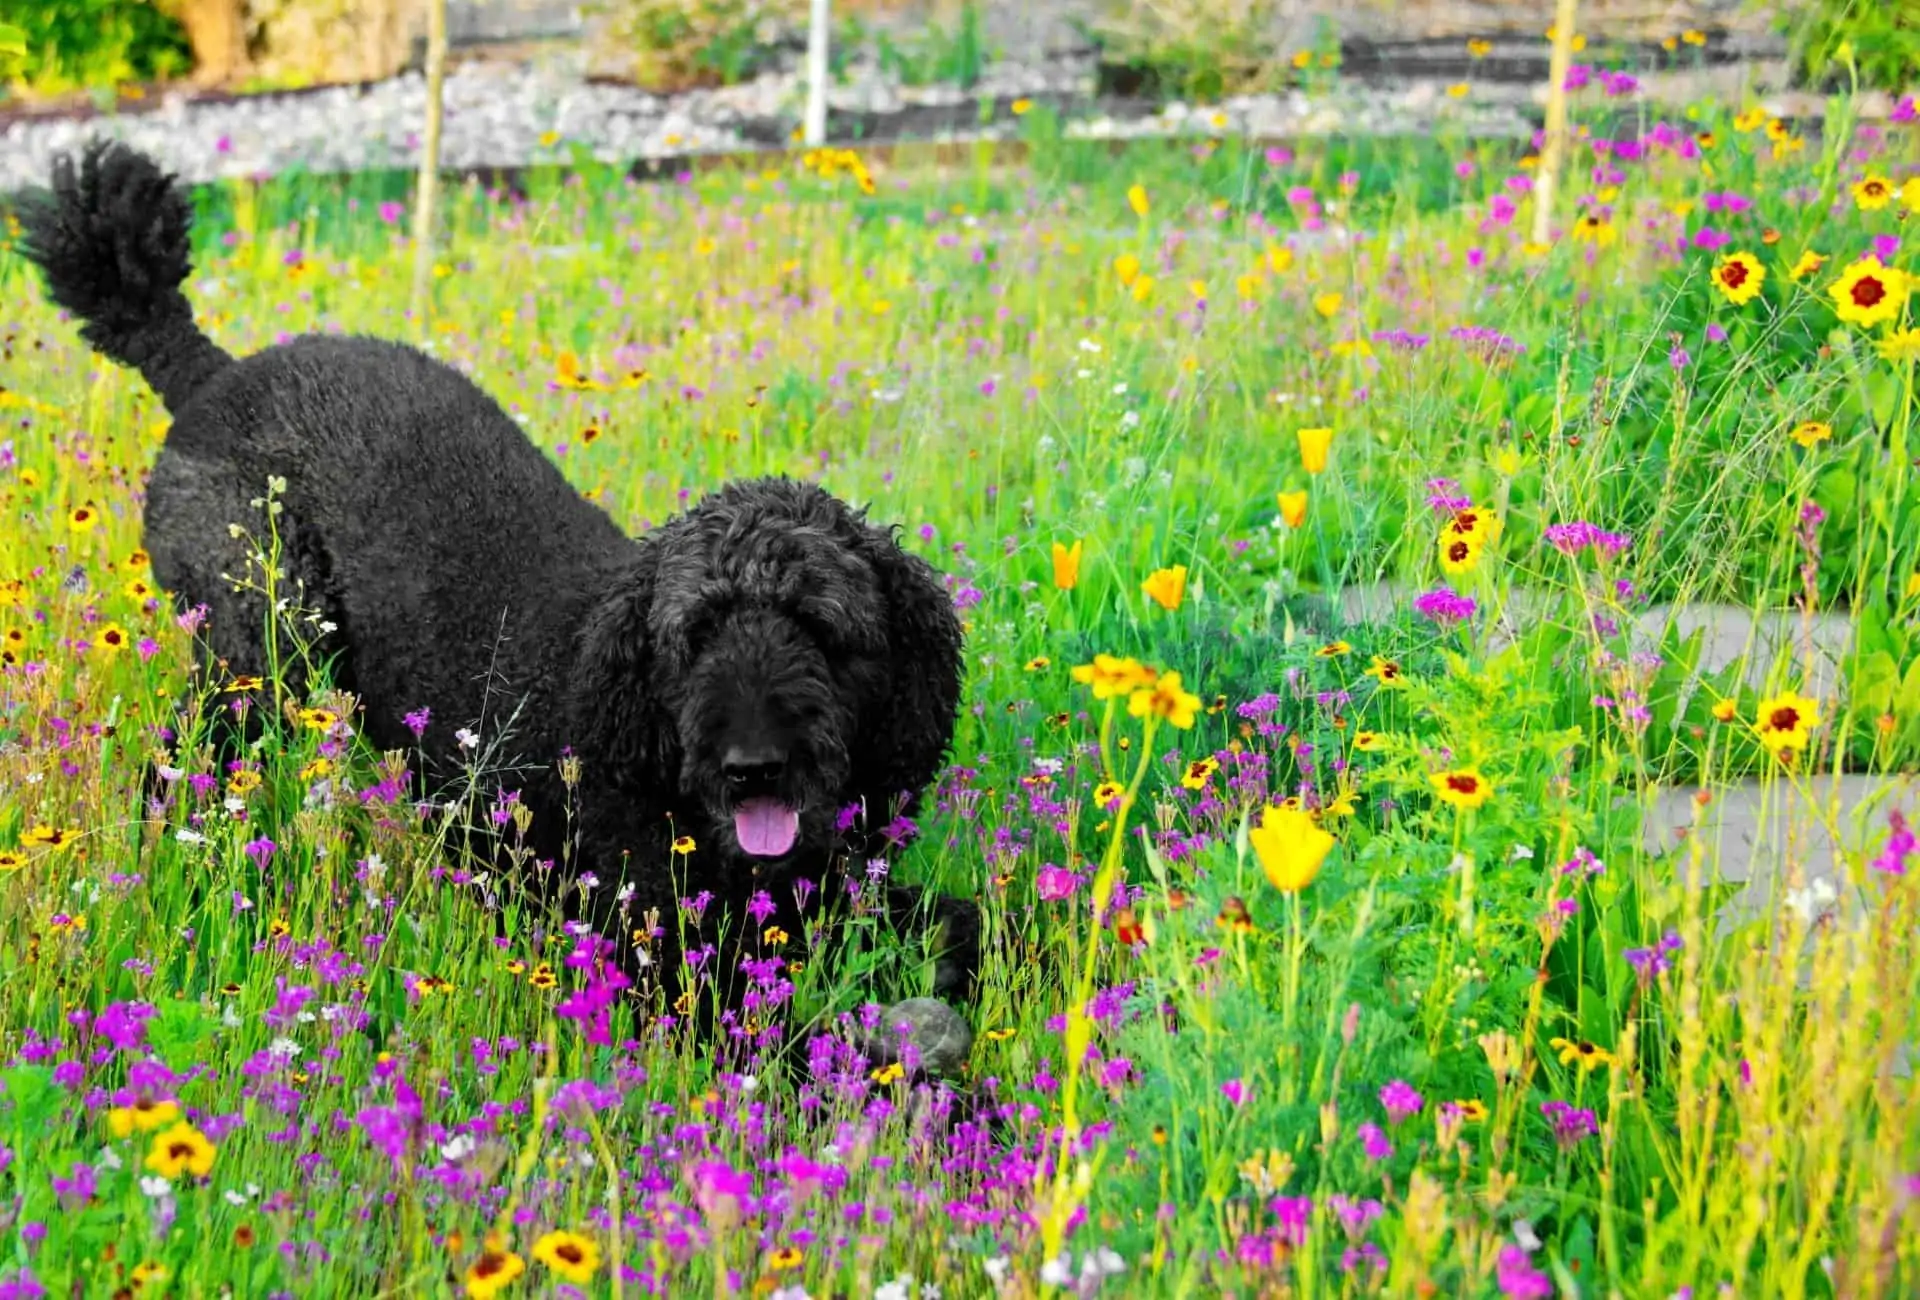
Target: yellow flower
490 1274
1199 772
1106 793
1590 1056
1137 200
1463 787
112 639
144 1116
1458 90
1472 1109
1291 847
83 519
1142 288
1806 264
181 1149
1368 741
1913 586
1111 676
146 1272
319 767
1508 461
1479 49
1750 120
1038 664
1313 449
1019 107
1594 229
11 861
1725 710
572 1256
1165 700
46 836
1691 36
1872 192
683 845
1900 345
1785 722
1739 276
1127 267
1868 293
1387 673
1810 432
318 719
1458 555
1066 565
887 1074
1167 587
1293 508
1910 193
243 783
241 685
1279 258
786 1257
1328 303
1247 286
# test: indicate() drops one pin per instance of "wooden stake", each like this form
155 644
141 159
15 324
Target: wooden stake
426 194
1553 151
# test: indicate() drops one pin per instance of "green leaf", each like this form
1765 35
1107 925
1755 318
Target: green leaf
13 41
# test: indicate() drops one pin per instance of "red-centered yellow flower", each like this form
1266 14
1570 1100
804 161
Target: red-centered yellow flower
1111 676
1291 847
1066 565
1199 772
573 1256
1458 555
1872 192
1868 293
491 1274
143 1116
1739 276
1785 722
1463 787
1387 673
1167 701
1167 587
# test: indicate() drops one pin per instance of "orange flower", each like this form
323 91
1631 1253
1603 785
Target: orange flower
1167 587
1066 565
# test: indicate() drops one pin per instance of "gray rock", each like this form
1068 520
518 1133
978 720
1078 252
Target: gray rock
940 1037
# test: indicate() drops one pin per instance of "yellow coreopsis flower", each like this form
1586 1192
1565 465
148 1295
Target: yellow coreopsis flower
1739 276
1785 722
1868 293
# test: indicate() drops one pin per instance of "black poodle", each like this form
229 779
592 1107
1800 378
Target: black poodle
740 677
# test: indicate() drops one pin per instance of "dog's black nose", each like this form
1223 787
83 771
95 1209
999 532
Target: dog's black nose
753 769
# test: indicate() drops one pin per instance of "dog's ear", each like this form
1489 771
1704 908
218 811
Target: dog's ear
620 726
909 732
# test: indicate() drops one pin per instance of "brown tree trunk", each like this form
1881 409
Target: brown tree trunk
217 31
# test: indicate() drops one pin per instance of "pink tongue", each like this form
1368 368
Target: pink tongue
767 828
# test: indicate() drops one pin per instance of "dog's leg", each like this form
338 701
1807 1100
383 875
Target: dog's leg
954 926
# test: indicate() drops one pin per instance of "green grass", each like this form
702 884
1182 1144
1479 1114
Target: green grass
1184 1069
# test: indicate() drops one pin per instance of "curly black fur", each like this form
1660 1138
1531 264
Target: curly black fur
768 645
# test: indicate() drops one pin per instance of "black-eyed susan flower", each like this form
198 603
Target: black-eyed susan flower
543 977
1785 722
1462 787
1592 228
144 1115
1739 277
83 519
1868 293
111 639
1387 673
181 1149
12 860
786 1257
318 719
1334 650
241 685
1810 433
683 845
1579 1051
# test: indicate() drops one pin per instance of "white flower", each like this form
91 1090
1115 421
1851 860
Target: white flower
930 1291
458 1147
155 1187
108 1158
1120 387
283 1047
1104 1262
169 774
466 738
1088 345
624 893
1523 1236
1083 373
1048 766
1057 1272
1131 420
186 836
1522 853
898 1289
996 1269
794 1292
1812 900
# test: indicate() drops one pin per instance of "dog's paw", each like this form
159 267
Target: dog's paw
925 1035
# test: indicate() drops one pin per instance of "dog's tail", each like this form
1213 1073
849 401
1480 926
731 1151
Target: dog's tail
111 238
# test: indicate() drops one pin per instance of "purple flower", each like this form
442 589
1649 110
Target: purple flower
1519 1279
1235 1091
390 211
1886 247
261 851
1400 1099
1444 608
1571 1124
1054 883
1900 847
417 721
1903 111
1373 1141
1572 538
1292 1215
1715 334
1679 358
722 1192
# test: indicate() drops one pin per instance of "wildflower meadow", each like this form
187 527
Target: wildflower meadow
1308 519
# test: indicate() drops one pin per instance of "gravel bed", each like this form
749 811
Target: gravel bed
501 115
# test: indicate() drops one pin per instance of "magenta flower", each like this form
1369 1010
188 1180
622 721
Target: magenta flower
1400 1099
1373 1141
1055 883
1235 1091
1444 608
1519 1279
1900 848
1571 1124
